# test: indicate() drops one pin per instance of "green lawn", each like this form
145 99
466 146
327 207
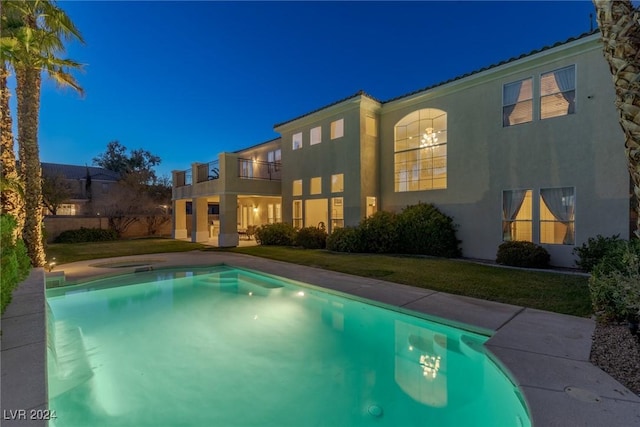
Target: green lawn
560 293
70 252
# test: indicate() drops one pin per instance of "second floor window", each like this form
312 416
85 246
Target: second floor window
558 93
517 102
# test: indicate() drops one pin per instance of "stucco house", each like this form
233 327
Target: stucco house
90 188
527 149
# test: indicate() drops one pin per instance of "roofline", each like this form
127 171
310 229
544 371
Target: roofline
492 66
257 145
355 95
460 77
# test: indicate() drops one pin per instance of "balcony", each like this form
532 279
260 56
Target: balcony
258 169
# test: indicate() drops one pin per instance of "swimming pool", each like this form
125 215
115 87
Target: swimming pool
223 346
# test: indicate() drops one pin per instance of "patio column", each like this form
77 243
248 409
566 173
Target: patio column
179 219
228 236
199 220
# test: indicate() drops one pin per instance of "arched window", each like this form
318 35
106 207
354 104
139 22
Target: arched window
420 151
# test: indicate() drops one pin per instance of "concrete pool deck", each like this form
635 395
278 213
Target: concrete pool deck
546 353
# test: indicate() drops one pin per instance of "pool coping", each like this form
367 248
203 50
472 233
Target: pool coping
546 354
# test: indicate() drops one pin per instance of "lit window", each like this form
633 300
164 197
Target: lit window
517 102
316 135
316 185
297 213
274 160
297 187
557 216
516 215
270 214
371 128
420 160
278 212
337 183
558 93
337 129
297 141
246 168
337 213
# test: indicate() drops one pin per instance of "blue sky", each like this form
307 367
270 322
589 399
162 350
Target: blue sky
187 80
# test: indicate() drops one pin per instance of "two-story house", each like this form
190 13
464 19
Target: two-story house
527 149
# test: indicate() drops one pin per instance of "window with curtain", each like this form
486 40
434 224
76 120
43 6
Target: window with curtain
315 185
420 151
558 93
517 213
557 215
517 102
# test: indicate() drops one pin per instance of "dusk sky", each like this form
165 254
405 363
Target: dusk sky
188 80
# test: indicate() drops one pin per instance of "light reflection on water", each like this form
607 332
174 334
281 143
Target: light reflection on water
229 347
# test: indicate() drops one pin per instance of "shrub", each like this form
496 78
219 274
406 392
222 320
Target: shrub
379 233
423 229
522 254
311 238
344 240
280 234
86 235
595 249
14 261
615 292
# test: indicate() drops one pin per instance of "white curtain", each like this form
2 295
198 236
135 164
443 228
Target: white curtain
510 95
566 81
511 204
560 202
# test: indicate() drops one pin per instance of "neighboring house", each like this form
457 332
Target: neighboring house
527 149
90 188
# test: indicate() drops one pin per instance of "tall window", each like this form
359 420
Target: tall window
337 213
315 135
558 93
297 213
274 158
297 187
557 215
517 102
296 141
337 183
246 168
517 213
274 213
337 129
420 160
315 185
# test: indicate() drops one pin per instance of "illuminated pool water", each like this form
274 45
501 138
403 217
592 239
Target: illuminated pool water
230 347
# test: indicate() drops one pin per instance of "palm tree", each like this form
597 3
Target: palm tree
12 194
619 24
36 43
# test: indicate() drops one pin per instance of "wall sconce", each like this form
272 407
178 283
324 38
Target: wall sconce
255 209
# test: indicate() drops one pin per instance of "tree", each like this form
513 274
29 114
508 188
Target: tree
12 195
619 23
39 29
138 163
55 191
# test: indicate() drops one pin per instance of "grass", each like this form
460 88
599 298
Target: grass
71 252
561 293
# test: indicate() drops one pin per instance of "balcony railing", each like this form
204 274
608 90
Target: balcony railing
183 178
258 169
209 171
